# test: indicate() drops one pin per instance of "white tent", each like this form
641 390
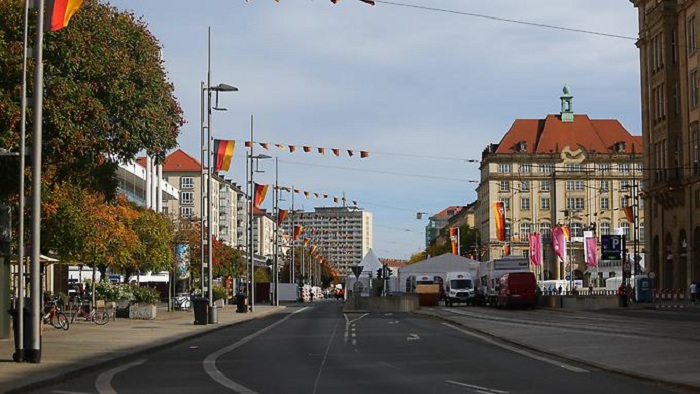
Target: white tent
439 266
370 264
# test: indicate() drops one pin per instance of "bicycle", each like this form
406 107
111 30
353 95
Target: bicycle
95 315
55 317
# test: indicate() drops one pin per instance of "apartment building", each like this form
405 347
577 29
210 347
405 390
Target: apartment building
669 62
343 235
565 169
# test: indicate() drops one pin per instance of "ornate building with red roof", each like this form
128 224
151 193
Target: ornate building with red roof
565 169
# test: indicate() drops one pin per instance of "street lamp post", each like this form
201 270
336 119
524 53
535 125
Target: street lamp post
207 262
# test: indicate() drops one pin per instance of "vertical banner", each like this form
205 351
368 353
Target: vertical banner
182 261
454 235
281 215
535 249
499 217
629 213
559 242
589 249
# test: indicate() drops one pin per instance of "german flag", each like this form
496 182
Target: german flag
281 215
223 152
59 12
297 232
260 192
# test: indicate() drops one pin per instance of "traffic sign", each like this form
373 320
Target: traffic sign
627 267
357 270
652 275
611 247
568 277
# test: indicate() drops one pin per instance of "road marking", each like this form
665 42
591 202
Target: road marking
348 324
412 337
103 384
394 322
478 389
325 356
68 392
209 363
520 351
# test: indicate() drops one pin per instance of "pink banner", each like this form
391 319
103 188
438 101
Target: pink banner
591 256
535 249
559 242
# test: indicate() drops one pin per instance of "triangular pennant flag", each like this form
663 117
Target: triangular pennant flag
363 154
316 194
297 191
306 149
335 199
292 148
280 146
325 195
350 152
265 145
322 151
336 151
248 144
306 194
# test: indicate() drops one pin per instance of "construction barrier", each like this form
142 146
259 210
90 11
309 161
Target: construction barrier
671 299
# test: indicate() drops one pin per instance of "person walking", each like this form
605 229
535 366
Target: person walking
693 291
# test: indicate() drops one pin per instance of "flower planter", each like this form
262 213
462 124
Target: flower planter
142 311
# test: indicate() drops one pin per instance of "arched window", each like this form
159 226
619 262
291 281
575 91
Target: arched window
576 229
546 231
625 225
524 231
605 228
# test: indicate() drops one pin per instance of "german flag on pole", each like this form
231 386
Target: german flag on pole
59 12
223 152
260 192
297 232
281 215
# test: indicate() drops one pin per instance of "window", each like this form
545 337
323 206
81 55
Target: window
659 95
569 185
576 230
545 185
695 143
524 231
674 44
624 201
504 186
605 228
186 212
525 168
544 203
506 203
186 198
573 168
525 186
524 203
579 203
604 167
692 39
693 82
624 167
546 168
546 231
624 185
625 225
186 182
657 52
604 203
604 186
641 230
504 168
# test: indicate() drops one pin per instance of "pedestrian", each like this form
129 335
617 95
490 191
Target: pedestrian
559 289
693 291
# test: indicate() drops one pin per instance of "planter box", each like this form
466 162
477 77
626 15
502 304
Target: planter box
219 303
142 311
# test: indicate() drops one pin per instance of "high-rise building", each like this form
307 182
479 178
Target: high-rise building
566 169
669 61
343 235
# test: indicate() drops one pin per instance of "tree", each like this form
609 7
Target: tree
106 96
155 233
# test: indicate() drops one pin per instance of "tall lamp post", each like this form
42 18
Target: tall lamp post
251 214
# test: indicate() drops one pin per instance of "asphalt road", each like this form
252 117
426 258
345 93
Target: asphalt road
318 349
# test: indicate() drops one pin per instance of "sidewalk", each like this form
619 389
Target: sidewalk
87 345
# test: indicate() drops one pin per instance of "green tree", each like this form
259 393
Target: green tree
155 233
106 96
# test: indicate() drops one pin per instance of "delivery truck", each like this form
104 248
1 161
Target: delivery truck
459 288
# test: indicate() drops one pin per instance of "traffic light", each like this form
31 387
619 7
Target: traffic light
388 272
379 273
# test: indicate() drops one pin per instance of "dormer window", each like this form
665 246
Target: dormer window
619 147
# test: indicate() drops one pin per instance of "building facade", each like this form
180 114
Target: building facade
565 169
669 62
343 235
438 221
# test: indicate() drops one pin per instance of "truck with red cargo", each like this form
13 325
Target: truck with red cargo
517 289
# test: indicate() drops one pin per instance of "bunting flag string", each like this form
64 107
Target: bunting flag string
307 149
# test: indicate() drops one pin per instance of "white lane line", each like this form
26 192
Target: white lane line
412 337
68 392
209 363
103 384
520 351
325 356
478 389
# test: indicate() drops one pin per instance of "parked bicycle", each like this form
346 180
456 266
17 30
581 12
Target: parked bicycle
54 316
99 316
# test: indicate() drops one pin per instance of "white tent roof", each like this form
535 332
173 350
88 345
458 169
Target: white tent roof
447 262
370 263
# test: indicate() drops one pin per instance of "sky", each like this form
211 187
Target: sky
422 85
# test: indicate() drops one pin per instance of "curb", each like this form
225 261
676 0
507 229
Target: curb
162 344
